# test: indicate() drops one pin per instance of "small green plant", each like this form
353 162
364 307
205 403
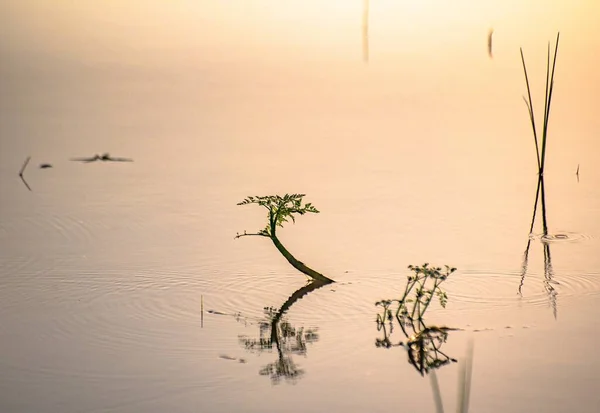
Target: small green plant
424 283
424 341
280 210
423 345
541 152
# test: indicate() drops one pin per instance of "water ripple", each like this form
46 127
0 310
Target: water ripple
560 237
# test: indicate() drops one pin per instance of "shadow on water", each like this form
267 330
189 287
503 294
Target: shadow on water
540 199
276 332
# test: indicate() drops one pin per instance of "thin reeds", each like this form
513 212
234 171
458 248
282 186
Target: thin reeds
541 147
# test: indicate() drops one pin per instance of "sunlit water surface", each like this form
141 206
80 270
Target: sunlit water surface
423 154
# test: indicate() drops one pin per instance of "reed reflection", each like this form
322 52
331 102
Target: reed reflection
276 332
549 282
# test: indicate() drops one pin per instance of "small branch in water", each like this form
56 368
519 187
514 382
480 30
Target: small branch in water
23 170
245 234
281 209
24 166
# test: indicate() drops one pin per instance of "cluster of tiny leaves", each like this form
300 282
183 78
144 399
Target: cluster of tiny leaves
412 307
423 345
280 208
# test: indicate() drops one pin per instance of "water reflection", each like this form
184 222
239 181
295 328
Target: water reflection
277 332
423 347
549 282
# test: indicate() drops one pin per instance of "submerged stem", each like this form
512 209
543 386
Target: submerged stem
299 265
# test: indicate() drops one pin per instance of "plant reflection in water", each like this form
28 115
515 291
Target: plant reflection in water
276 332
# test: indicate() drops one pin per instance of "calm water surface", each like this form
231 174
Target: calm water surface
423 154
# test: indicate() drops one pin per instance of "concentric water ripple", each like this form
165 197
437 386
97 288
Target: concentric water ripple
572 285
564 236
490 289
484 290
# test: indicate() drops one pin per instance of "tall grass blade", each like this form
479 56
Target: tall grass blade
546 95
530 108
541 152
549 88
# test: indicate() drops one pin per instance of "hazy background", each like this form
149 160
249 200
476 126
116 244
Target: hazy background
422 154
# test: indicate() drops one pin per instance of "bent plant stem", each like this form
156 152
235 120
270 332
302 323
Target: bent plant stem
280 209
299 265
430 295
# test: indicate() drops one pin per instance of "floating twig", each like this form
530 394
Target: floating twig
105 157
24 166
23 170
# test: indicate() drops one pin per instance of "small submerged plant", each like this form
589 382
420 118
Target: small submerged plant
424 341
424 283
541 151
280 210
423 344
